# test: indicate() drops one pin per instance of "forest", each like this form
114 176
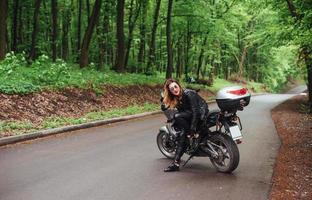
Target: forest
266 41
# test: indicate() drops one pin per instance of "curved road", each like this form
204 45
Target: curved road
121 162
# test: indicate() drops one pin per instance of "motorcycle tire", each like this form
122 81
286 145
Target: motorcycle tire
228 151
165 145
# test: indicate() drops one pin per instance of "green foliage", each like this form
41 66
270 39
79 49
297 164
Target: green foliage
13 79
228 27
282 66
17 77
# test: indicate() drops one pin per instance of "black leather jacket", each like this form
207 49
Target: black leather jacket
192 102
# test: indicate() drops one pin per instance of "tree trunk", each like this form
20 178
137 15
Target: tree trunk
32 53
88 9
101 44
292 9
79 24
179 59
141 53
7 41
160 54
20 38
65 27
102 31
212 70
200 58
88 34
133 16
48 25
120 58
169 46
187 49
54 28
242 61
3 28
152 44
15 25
106 29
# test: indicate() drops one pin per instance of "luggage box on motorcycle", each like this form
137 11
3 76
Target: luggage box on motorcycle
233 98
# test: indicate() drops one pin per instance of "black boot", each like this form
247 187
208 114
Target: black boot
172 168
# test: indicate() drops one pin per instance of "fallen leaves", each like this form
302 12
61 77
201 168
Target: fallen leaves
292 178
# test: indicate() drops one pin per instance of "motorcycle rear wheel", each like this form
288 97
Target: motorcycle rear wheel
165 145
228 154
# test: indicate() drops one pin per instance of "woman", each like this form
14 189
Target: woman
192 110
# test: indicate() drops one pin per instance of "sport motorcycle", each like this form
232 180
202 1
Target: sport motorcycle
218 135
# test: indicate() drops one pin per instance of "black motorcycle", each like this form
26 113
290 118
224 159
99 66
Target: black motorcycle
220 144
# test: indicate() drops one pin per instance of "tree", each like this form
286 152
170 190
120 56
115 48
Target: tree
54 28
133 16
103 32
88 34
302 22
169 46
88 8
15 24
65 32
120 52
35 31
3 27
201 56
152 43
79 24
141 53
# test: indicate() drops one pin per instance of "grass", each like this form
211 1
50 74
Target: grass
33 79
18 127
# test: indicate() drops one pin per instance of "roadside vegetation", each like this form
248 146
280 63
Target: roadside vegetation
17 77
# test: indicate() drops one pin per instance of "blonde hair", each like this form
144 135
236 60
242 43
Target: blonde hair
171 100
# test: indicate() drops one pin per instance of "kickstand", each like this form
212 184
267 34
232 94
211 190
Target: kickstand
191 156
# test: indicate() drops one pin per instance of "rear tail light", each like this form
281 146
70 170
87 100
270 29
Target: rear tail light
239 92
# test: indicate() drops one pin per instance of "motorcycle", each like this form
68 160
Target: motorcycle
220 144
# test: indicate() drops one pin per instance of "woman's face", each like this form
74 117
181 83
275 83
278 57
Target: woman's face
174 89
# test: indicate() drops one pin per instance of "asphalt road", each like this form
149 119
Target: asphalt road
122 162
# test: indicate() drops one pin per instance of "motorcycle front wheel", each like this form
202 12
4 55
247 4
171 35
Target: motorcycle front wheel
228 154
165 145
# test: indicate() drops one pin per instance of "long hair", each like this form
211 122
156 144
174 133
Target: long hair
171 100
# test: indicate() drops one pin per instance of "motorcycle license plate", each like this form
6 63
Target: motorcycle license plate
235 132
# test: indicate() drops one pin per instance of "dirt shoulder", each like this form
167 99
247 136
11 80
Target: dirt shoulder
292 178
